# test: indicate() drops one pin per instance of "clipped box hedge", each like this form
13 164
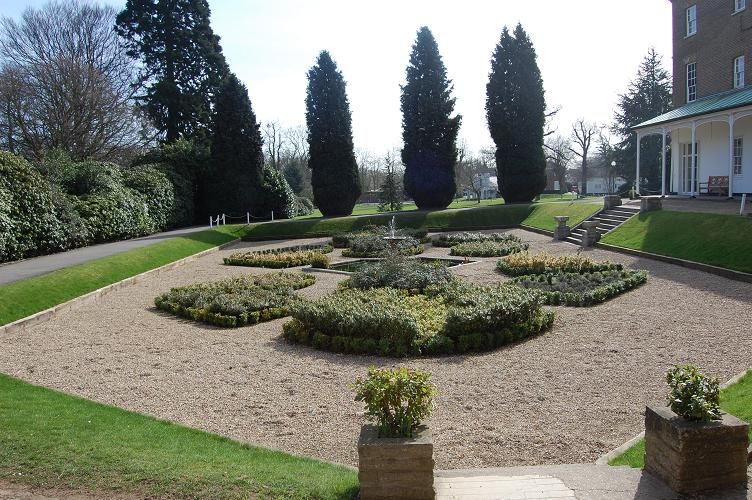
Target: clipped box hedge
303 255
488 248
372 246
413 275
453 239
390 322
582 289
521 264
234 302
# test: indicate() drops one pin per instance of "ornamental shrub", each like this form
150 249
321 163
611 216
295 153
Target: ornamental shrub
397 399
343 240
488 248
304 206
277 260
450 240
119 215
414 275
523 263
694 395
276 195
582 289
236 301
370 246
157 191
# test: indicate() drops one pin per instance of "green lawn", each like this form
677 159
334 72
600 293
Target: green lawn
29 296
720 240
539 215
735 399
51 439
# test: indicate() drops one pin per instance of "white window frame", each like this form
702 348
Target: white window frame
739 5
738 155
691 86
739 72
691 17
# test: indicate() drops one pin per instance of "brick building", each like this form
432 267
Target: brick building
712 45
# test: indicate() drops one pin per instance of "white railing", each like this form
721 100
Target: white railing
222 219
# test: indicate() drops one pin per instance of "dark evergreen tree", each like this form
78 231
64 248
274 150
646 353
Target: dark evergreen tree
182 60
334 172
295 178
234 185
429 132
515 110
648 96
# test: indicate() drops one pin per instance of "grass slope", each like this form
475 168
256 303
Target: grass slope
52 439
539 215
735 399
719 240
29 296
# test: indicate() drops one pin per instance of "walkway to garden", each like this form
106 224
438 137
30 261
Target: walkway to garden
15 271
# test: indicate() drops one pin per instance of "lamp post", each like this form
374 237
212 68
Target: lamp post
612 177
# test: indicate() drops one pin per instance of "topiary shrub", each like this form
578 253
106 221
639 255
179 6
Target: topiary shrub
582 289
235 301
397 399
488 248
157 191
450 240
694 395
523 263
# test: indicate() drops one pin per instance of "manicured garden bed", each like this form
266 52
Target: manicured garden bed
344 240
279 258
488 248
521 264
413 275
371 246
50 440
454 239
240 301
581 289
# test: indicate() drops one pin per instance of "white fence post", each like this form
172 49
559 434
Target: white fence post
744 200
224 223
211 221
248 217
272 214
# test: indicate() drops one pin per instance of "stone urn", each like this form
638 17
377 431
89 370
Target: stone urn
611 201
561 231
395 467
695 456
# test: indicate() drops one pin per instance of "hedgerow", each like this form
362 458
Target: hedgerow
488 248
233 302
582 289
520 264
452 239
281 258
391 322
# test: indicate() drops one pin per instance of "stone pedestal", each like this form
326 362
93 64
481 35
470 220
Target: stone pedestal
695 456
649 203
611 201
561 231
392 468
591 234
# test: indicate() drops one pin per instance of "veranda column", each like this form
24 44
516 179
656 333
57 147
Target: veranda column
637 173
663 162
693 161
731 156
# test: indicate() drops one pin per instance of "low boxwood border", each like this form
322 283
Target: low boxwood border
594 266
315 257
487 248
295 332
629 281
454 239
407 251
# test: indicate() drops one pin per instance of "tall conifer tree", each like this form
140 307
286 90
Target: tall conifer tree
334 172
429 132
515 110
235 185
183 65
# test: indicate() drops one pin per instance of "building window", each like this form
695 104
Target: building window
691 82
738 150
692 20
739 72
739 5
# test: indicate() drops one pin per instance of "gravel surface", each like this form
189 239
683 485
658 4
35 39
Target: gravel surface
567 396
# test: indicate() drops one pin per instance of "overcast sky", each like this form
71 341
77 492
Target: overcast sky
588 51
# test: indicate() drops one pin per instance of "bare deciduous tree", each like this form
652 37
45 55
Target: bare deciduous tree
471 169
67 83
582 135
273 143
559 156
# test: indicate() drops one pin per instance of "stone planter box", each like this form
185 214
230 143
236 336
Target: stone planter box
695 456
591 235
611 200
650 203
395 467
561 231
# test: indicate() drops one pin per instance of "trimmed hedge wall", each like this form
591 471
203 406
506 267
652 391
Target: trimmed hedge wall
579 290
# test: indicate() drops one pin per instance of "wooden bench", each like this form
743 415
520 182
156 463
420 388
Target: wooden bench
716 184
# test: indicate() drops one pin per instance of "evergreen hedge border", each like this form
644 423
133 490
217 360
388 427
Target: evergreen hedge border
302 255
296 332
503 266
629 280
487 248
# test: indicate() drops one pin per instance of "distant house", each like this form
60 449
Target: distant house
485 185
711 126
599 182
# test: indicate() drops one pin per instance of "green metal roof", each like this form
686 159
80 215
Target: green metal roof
711 104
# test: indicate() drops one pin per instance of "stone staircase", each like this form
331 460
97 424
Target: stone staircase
608 220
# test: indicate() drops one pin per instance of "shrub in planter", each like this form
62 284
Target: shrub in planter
370 246
235 301
450 240
488 248
581 289
398 272
275 259
396 399
523 263
694 395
